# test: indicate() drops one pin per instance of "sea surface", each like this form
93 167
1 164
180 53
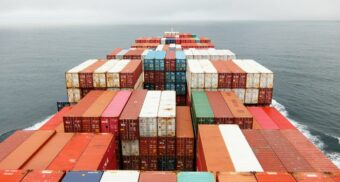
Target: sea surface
305 57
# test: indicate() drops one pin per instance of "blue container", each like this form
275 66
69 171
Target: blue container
83 176
166 163
149 86
170 41
181 77
149 61
197 40
195 177
170 77
159 60
170 86
180 61
181 88
61 103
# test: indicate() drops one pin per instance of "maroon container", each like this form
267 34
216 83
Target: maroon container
134 54
181 100
148 146
148 163
222 114
225 76
149 77
265 96
159 77
130 74
184 163
128 121
131 162
239 76
159 86
170 61
166 146
86 75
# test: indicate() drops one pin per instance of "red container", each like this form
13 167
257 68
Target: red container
166 146
13 141
149 176
128 120
184 163
86 75
313 177
91 117
184 132
281 121
274 176
69 155
159 86
225 76
288 155
309 151
130 74
134 54
99 154
170 61
265 96
148 146
222 114
239 76
73 119
131 162
262 118
44 175
112 55
26 150
205 40
148 163
264 154
236 176
159 77
56 120
12 175
149 77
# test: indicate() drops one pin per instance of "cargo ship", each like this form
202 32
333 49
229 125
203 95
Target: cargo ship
169 108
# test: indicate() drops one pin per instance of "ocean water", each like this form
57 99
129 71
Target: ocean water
305 57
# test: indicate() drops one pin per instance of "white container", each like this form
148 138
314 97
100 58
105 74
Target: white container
195 74
178 47
189 54
130 147
163 40
148 114
167 114
73 95
121 54
228 55
72 77
213 55
120 176
241 154
99 75
112 75
253 76
210 74
251 96
241 93
159 47
266 77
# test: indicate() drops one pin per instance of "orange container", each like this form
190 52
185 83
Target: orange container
274 177
12 175
60 128
235 176
26 150
13 141
313 177
69 155
55 121
47 153
43 176
156 176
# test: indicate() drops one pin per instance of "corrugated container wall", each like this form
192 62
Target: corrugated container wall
167 114
120 176
148 114
83 176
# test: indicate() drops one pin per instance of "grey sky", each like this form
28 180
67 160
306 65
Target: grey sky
21 12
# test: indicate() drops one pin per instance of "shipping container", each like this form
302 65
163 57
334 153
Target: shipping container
26 150
313 177
201 110
83 176
120 176
12 175
148 146
170 77
265 96
251 96
72 75
159 60
62 102
69 155
166 114
91 117
43 176
113 75
99 154
262 118
99 75
166 146
129 118
195 177
253 76
149 61
112 55
235 177
195 74
181 64
240 93
156 176
56 120
264 153
266 76
281 121
239 76
130 74
134 54
241 115
74 95
86 75
210 74
225 76
148 163
13 141
130 147
180 77
148 114
317 160
274 176
170 61
48 152
222 114
166 163
184 132
120 55
131 162
184 163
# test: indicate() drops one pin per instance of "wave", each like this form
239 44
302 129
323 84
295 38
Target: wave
334 156
39 124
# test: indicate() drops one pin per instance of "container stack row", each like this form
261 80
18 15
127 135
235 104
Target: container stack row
103 74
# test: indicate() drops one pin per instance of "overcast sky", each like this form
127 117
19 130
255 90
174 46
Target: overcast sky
22 12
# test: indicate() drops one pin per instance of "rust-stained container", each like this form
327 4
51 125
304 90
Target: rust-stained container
44 176
46 154
130 74
281 121
313 177
235 177
91 117
149 77
264 153
225 76
239 76
99 154
86 75
12 175
13 141
159 77
129 119
69 155
170 61
166 146
265 96
184 163
131 162
156 176
73 119
288 155
112 55
262 118
274 176
148 146
242 117
212 151
26 150
56 120
148 163
184 130
219 107
309 151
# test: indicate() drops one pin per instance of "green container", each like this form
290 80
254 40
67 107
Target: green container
195 177
201 109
